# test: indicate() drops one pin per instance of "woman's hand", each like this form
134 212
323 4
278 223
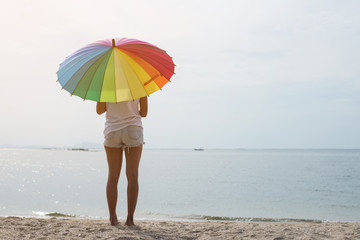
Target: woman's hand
100 107
143 107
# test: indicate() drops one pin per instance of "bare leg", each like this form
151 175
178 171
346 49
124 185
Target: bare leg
133 156
114 158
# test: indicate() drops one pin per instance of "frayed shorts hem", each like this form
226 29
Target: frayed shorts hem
124 147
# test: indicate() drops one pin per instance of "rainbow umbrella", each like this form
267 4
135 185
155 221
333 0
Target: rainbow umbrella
115 70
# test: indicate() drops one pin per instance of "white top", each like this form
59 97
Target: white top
122 114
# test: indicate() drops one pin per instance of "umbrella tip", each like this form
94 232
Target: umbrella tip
113 42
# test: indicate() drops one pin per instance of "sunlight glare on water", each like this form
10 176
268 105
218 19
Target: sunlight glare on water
236 184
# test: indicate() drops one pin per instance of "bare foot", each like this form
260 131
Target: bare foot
129 222
114 221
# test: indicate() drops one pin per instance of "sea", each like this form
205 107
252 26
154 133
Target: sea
184 184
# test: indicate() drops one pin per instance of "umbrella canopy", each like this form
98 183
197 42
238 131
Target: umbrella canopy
115 70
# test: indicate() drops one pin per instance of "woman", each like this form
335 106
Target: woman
123 132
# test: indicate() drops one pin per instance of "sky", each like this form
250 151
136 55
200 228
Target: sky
249 74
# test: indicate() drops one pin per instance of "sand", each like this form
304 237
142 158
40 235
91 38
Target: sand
68 228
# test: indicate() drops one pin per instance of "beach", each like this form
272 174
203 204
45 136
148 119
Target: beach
69 228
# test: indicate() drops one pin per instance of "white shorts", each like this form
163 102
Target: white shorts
131 136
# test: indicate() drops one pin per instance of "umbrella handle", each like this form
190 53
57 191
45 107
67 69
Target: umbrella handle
113 43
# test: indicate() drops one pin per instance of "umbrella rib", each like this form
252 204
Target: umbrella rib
132 96
126 78
75 61
86 72
152 77
158 50
149 55
102 85
77 71
142 85
114 75
128 82
162 65
115 89
87 90
139 55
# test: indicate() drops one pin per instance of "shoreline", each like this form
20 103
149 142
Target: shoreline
77 228
190 218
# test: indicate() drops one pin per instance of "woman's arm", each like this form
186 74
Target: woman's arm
143 107
100 107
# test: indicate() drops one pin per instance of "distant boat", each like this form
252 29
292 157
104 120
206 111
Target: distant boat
198 149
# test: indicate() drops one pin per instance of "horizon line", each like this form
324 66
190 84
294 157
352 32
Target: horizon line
10 146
